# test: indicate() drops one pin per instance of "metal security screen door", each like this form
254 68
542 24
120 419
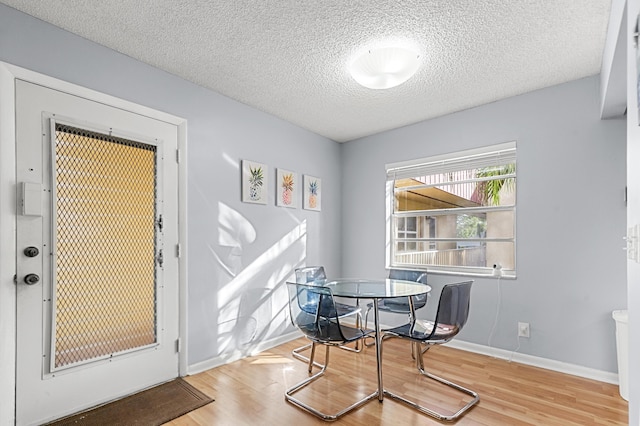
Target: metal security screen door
97 270
104 264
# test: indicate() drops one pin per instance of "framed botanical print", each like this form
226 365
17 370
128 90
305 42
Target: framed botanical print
254 182
312 193
287 188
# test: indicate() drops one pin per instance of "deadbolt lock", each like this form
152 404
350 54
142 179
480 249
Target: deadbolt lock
31 251
31 279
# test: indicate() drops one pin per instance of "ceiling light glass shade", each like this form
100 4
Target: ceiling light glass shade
384 68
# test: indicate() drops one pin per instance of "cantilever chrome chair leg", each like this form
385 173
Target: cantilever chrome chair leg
310 359
312 356
296 354
306 407
416 349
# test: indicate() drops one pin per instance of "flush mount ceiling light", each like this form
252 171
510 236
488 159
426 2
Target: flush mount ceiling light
385 68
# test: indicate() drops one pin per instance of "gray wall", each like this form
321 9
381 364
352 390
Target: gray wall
570 218
225 237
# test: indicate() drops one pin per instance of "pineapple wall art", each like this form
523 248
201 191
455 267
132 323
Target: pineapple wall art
254 182
287 188
312 193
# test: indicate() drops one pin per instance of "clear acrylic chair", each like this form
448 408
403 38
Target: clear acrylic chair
314 311
452 314
400 305
315 275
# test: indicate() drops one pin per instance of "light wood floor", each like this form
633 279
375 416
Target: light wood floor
251 391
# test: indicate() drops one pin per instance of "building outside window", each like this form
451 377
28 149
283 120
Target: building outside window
407 228
455 212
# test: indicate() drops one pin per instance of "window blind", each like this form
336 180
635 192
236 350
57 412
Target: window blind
496 155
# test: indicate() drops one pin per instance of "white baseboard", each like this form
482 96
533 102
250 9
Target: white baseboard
549 364
237 355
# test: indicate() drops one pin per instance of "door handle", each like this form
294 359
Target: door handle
31 279
31 251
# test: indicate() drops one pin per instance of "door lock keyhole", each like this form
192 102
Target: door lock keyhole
31 251
31 279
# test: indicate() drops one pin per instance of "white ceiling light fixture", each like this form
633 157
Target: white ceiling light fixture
385 67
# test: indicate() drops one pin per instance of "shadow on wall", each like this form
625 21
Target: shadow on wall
252 301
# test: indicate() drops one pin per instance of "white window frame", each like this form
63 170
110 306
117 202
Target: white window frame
468 159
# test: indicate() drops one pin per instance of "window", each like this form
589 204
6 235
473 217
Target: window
455 212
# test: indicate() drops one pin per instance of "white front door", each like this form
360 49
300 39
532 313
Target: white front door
97 270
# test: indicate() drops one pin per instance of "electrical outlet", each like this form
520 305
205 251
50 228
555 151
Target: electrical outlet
523 329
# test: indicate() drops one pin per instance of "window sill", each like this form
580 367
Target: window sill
490 274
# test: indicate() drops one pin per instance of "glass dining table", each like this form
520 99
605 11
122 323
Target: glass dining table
377 290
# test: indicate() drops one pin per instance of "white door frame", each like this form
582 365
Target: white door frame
8 75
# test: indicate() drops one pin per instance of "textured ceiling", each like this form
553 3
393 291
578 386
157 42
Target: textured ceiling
290 57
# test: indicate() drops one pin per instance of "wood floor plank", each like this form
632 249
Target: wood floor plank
251 391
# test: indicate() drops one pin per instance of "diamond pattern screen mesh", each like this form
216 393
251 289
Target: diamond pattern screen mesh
105 262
